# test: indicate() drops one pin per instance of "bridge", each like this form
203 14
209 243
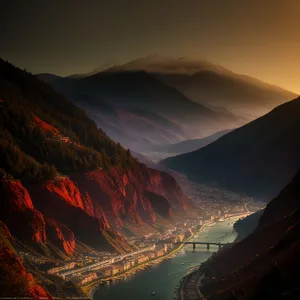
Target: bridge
208 244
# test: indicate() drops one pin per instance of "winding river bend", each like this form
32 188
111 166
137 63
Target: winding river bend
163 278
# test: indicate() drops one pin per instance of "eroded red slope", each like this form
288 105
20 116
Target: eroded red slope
45 126
27 223
89 206
15 281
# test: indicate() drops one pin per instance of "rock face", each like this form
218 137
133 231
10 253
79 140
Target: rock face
27 223
123 195
89 206
45 126
265 264
18 212
60 235
15 281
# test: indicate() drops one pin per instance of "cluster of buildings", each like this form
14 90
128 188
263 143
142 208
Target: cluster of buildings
150 246
57 270
112 267
29 257
101 265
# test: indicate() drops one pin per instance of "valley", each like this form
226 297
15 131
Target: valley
154 176
92 268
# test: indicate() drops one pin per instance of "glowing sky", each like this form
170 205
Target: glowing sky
255 37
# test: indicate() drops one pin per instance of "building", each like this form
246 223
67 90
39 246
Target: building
116 269
141 259
86 278
62 268
127 265
106 272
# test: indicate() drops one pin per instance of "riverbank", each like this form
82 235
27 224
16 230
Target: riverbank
163 278
90 288
189 285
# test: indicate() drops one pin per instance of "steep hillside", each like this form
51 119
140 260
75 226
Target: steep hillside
257 159
15 281
20 280
63 180
265 264
247 225
30 225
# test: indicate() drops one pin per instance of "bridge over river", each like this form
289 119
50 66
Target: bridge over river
208 244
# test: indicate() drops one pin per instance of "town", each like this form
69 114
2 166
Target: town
92 267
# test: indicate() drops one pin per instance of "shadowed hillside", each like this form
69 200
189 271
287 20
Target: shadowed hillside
257 159
265 264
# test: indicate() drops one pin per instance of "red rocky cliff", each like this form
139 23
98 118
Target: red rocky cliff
89 206
15 281
123 196
29 224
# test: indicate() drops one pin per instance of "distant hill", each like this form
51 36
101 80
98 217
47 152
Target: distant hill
139 111
257 159
155 100
212 85
193 144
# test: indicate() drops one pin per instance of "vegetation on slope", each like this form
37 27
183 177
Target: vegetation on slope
30 151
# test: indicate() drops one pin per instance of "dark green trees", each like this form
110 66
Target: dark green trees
29 151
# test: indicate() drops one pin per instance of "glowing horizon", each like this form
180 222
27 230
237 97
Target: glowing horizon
255 38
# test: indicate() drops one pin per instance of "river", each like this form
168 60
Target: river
164 276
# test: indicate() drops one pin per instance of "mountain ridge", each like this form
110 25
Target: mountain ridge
161 111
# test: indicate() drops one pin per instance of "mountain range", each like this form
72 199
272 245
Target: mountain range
212 85
150 102
139 111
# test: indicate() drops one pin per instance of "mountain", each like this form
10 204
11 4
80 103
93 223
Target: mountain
265 264
212 85
139 111
193 144
64 184
257 159
155 100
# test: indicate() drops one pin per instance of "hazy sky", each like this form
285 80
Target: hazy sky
255 37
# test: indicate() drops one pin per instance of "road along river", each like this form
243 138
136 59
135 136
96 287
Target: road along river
162 278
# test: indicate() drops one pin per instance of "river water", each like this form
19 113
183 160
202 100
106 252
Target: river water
164 277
